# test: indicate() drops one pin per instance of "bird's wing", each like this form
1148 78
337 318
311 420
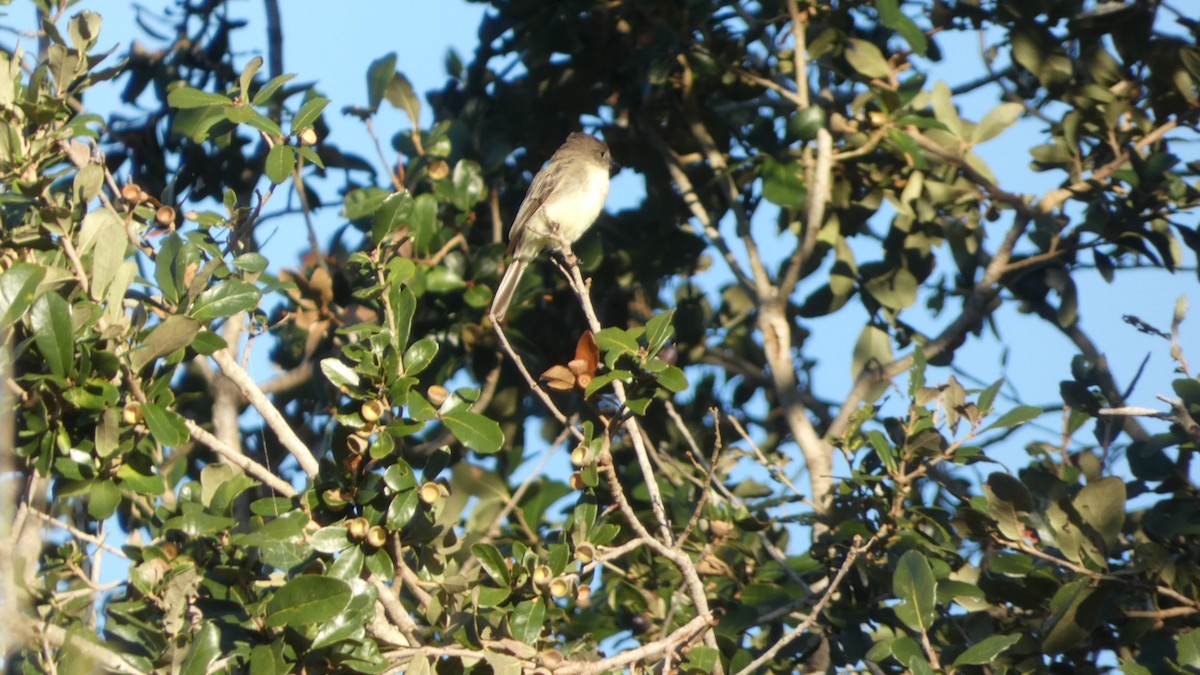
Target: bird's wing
539 192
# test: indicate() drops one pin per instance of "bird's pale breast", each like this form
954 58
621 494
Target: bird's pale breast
575 207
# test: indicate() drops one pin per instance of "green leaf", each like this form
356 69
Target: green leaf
103 499
247 76
166 425
308 113
111 242
702 658
986 650
348 565
393 212
884 450
673 380
281 161
916 376
601 381
189 97
527 620
254 263
205 649
264 94
618 341
342 376
891 16
783 184
491 596
469 186
659 330
867 59
988 396
330 539
307 599
379 76
170 266
50 320
175 332
402 509
423 222
916 586
1187 648
909 653
894 287
443 279
87 182
400 93
399 476
1007 499
337 629
872 352
492 561
996 121
226 299
18 290
362 202
419 355
1017 416
1078 609
310 155
1101 503
477 432
944 110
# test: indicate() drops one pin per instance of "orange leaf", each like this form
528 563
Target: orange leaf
587 351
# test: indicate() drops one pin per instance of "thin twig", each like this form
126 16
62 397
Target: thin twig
810 621
78 533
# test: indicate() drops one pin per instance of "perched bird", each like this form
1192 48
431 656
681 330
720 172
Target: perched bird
562 203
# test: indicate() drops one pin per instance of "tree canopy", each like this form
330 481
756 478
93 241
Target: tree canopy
340 464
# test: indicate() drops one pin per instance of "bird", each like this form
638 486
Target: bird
562 203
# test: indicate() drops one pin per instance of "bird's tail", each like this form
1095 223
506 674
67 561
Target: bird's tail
508 285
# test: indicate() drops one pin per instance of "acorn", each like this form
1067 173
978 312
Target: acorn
132 414
357 528
377 536
165 216
371 411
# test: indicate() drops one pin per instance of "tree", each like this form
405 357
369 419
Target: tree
364 510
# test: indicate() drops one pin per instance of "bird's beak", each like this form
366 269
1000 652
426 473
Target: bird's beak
613 167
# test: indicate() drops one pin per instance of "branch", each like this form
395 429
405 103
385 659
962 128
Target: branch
677 557
34 632
630 423
394 610
817 197
800 52
811 620
1100 176
239 460
78 533
716 161
269 412
680 636
529 380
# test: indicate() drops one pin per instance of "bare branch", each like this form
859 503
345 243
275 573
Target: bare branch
239 460
269 412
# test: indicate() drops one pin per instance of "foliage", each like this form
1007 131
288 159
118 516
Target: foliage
372 506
